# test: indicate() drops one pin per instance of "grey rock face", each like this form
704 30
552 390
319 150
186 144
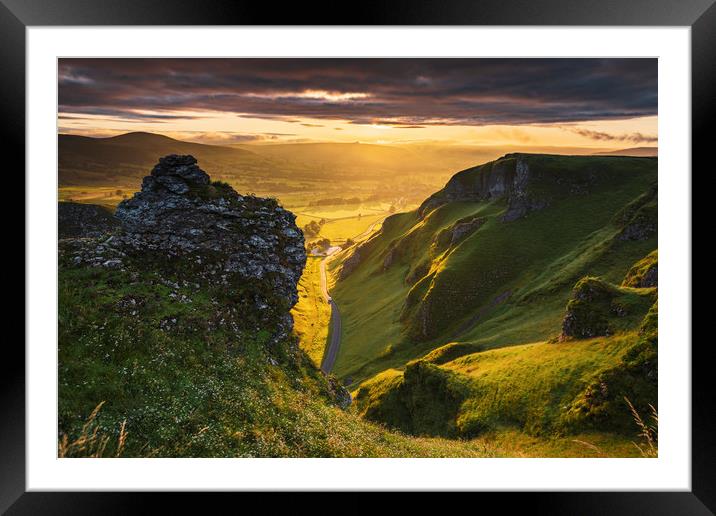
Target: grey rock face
651 278
508 177
389 259
208 233
183 167
341 395
462 229
639 229
350 264
179 213
84 220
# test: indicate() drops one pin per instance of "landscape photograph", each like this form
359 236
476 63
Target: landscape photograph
357 257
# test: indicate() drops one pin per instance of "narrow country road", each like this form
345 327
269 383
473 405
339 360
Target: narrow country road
334 344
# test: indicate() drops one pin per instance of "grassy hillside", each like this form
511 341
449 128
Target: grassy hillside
491 260
509 315
529 387
565 386
133 383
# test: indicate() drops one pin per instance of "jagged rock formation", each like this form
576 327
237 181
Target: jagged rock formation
351 263
457 232
508 177
463 228
84 220
179 213
206 233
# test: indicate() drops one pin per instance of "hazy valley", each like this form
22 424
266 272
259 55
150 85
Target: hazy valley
504 310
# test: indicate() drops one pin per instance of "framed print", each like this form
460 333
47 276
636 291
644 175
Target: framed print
432 250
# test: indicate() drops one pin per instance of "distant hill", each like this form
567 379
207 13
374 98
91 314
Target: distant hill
635 151
125 159
362 158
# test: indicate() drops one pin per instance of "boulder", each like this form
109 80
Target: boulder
192 230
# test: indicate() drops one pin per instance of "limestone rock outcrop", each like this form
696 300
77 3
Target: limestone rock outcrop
196 231
84 220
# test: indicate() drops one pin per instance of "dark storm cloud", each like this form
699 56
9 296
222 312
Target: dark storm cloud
401 92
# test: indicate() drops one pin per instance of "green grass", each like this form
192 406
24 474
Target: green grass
641 269
601 308
371 303
182 391
506 283
527 389
311 315
173 375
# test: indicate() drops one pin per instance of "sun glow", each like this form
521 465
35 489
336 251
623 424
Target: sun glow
324 95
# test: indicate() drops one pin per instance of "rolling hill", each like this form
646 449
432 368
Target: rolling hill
366 158
634 152
124 159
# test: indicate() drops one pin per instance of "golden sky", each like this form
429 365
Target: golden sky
599 103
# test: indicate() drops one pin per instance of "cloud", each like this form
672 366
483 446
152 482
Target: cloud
601 136
226 137
405 92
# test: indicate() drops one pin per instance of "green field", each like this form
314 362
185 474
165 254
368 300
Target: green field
311 315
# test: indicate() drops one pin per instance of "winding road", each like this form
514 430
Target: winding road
334 343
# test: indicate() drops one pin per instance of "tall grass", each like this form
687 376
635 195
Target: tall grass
648 431
90 442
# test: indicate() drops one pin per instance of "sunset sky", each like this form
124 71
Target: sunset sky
610 103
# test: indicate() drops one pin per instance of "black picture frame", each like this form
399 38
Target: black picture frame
17 15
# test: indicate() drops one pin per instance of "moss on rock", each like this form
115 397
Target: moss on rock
643 273
598 308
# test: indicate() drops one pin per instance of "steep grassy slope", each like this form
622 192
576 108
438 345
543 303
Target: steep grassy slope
181 391
564 386
173 389
491 259
643 273
538 388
